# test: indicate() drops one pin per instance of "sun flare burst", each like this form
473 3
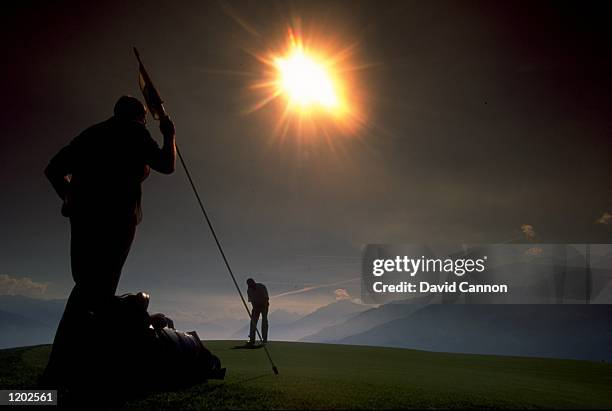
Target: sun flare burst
313 85
306 81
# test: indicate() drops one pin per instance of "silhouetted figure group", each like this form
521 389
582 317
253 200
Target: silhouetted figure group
98 177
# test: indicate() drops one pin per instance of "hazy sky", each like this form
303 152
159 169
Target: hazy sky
481 117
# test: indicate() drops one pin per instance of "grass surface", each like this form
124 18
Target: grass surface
324 376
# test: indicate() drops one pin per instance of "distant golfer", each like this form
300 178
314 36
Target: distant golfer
258 297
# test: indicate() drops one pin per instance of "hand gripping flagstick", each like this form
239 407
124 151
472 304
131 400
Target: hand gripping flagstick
156 106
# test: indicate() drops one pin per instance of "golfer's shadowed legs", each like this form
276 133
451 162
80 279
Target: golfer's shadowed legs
254 319
264 323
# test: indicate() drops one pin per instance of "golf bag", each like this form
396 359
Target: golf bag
128 351
173 358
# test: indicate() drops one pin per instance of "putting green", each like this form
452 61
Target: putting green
325 376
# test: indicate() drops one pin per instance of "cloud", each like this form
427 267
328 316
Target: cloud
605 219
21 286
529 232
342 294
314 287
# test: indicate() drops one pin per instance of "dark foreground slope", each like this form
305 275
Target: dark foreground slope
335 376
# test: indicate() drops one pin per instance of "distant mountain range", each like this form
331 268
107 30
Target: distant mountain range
329 315
223 329
574 331
28 321
364 321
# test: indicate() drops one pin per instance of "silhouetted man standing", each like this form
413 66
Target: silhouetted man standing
260 302
98 176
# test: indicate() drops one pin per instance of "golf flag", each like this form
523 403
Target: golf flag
151 96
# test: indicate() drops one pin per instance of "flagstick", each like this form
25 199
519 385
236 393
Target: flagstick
161 113
229 269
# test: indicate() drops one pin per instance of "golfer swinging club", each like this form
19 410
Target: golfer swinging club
260 302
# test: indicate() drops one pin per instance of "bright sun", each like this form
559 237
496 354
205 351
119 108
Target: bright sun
314 82
305 81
